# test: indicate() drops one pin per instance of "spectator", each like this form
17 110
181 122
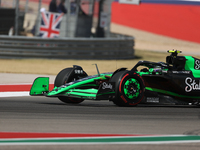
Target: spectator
53 6
61 7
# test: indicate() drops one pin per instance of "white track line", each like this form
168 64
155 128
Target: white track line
14 94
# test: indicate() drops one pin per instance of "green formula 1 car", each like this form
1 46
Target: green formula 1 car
175 81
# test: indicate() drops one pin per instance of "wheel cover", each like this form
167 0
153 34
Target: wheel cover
132 88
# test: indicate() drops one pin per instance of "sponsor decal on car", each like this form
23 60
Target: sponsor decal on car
191 84
78 71
197 64
106 85
153 99
181 72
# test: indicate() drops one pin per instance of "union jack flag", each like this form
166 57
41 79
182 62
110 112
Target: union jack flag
50 24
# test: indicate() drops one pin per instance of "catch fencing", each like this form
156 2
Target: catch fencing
67 48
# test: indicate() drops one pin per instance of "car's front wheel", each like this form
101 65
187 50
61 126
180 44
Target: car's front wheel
65 76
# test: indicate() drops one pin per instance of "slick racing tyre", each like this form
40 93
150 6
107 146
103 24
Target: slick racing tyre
65 76
129 88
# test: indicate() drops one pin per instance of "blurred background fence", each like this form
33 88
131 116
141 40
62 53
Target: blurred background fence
67 48
83 34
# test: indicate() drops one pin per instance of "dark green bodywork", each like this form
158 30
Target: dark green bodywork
173 72
169 74
85 88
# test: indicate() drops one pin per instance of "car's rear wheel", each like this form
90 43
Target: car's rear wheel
65 76
129 88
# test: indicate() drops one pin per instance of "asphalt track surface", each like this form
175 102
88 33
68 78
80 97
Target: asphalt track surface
42 114
49 115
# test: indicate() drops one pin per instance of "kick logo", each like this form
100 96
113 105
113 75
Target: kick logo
106 85
197 65
191 85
